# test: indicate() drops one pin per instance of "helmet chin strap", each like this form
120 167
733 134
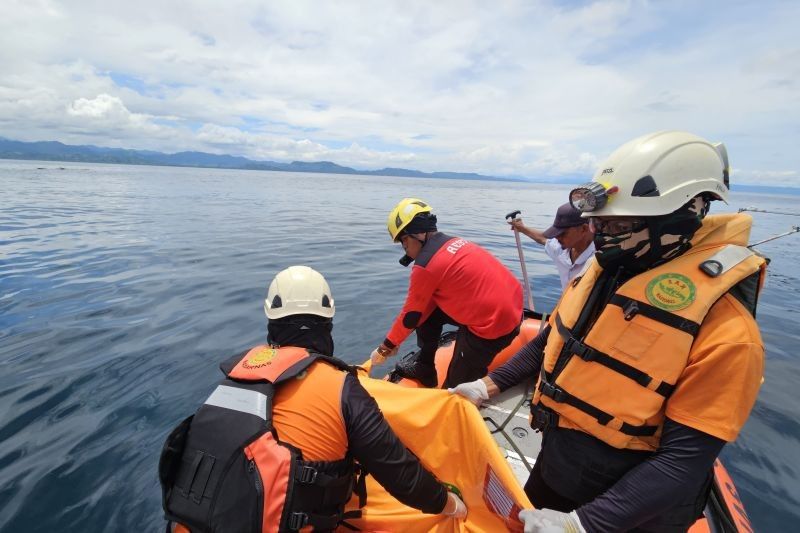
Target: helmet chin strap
420 240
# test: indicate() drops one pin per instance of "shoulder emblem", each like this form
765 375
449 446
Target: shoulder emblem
671 292
259 358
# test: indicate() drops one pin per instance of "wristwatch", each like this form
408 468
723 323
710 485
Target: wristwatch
383 350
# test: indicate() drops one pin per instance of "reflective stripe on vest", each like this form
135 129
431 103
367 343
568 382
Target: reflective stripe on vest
619 375
725 259
243 400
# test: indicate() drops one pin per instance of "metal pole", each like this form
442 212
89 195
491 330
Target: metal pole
758 210
514 215
794 229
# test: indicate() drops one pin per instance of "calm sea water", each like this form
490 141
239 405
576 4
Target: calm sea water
122 287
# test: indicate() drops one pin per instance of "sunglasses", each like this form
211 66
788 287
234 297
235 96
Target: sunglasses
616 226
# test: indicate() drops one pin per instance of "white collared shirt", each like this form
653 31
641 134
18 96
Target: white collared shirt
566 268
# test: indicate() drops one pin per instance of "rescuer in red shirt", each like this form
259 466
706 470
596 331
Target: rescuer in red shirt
453 281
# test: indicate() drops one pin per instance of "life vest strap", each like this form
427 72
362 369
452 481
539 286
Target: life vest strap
297 521
631 307
638 431
360 487
561 396
337 488
350 515
573 346
542 417
318 522
604 419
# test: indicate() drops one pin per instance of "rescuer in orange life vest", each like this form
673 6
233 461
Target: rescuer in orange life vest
278 445
453 281
652 360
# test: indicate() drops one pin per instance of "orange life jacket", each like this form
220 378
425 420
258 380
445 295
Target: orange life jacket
224 469
614 382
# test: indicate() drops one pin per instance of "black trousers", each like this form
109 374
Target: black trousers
575 464
542 496
471 354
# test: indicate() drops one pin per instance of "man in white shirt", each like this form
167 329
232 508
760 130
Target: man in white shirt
568 242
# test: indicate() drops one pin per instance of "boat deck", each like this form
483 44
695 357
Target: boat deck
506 416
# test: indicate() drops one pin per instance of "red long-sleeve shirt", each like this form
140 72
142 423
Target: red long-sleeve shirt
466 282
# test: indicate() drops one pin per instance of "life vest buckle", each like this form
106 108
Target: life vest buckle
298 521
630 310
572 345
578 348
551 391
543 417
307 474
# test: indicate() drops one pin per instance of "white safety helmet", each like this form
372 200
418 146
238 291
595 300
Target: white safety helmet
299 290
654 175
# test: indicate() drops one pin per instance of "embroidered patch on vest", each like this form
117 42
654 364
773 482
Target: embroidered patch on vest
262 357
671 292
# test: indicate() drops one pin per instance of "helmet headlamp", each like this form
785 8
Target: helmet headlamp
589 197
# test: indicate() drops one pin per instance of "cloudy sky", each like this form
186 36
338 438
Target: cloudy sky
529 88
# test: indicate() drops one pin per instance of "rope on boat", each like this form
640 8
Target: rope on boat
501 428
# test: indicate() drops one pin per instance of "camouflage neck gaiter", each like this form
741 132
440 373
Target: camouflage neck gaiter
661 239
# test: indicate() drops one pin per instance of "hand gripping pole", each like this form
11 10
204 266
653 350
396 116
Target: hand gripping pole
526 288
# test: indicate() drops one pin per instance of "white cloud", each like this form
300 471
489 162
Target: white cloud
214 134
107 115
270 147
518 87
103 106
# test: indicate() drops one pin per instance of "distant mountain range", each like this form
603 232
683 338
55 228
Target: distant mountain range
56 151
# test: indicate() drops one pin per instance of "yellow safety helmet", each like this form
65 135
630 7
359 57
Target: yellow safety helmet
403 213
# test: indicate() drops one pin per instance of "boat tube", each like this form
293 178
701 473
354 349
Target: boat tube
531 323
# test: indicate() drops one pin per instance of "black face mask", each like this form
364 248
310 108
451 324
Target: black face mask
661 239
304 331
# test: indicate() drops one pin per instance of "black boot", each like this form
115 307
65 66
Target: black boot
417 370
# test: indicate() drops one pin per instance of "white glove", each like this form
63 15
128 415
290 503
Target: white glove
474 391
454 507
381 353
549 521
377 358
